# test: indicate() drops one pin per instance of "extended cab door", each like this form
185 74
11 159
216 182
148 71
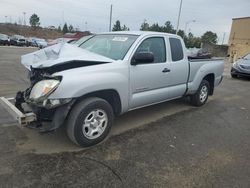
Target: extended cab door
179 67
149 81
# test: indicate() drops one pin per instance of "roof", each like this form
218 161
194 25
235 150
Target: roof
241 18
138 33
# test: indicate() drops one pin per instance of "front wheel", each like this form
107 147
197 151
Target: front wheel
201 96
90 121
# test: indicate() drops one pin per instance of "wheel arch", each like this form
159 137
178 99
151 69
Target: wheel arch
110 95
210 78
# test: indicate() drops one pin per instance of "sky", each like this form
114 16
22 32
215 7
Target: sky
93 15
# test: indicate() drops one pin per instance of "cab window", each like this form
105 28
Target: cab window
176 49
155 45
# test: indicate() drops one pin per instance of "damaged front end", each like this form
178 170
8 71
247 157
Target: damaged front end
44 66
50 113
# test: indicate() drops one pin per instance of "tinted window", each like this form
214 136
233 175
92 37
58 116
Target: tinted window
176 49
155 45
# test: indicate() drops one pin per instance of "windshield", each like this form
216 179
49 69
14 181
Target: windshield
111 46
3 36
247 56
40 40
82 40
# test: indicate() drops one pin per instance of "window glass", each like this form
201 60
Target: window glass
247 56
176 49
155 45
113 46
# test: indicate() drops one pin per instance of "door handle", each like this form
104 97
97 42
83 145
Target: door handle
166 70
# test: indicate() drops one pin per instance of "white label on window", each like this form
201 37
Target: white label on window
120 39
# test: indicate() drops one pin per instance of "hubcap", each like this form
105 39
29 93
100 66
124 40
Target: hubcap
95 124
203 93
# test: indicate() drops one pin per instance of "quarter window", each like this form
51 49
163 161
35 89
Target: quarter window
176 49
155 45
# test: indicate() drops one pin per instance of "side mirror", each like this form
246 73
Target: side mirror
142 58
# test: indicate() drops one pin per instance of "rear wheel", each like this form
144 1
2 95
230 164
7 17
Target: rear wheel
90 121
201 96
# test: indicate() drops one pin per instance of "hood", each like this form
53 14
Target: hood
243 61
59 54
243 64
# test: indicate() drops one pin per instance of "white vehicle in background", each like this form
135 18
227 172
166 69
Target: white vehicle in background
40 43
60 40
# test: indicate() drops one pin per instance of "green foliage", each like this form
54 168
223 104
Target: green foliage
59 28
144 26
34 20
190 40
167 27
181 33
125 28
209 37
117 27
65 28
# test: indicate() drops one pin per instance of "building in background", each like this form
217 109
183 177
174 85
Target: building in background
239 39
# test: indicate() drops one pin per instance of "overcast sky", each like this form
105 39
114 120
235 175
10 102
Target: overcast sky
214 15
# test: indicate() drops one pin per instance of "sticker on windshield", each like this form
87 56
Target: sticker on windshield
120 39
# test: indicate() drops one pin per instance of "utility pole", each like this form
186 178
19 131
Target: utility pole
5 19
179 15
223 38
24 19
110 17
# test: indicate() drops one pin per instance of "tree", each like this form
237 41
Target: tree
59 28
117 26
71 28
181 33
34 20
65 28
156 27
209 37
125 28
168 27
144 26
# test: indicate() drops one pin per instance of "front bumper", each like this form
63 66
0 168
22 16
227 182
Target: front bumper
238 72
23 119
45 119
51 119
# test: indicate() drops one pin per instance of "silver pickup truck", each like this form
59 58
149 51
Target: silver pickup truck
85 85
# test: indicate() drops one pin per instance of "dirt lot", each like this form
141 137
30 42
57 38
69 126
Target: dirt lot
167 145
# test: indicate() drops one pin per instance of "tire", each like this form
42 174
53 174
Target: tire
201 96
234 76
99 116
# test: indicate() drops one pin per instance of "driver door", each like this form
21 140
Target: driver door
149 81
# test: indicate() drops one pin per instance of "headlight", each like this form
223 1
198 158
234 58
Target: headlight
235 65
43 88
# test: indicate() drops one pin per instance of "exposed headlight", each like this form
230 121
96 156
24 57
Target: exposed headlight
235 64
43 88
